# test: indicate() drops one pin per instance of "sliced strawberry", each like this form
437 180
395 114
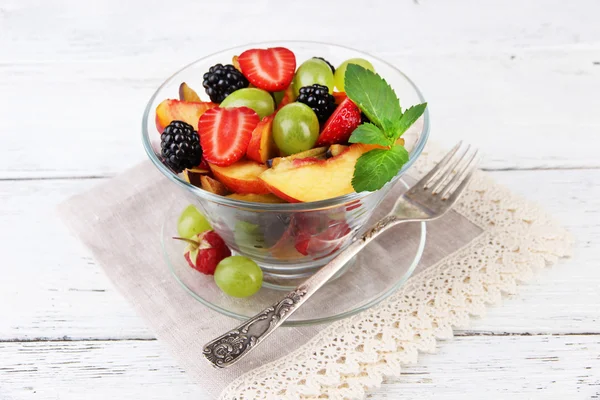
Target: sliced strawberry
225 134
340 125
269 69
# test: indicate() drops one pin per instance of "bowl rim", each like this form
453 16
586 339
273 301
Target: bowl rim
278 207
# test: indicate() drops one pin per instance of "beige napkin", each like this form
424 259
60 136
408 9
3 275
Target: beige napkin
120 222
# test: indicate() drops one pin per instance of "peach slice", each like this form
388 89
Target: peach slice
336 150
212 185
339 97
176 110
256 198
241 177
315 180
193 175
186 93
316 153
262 146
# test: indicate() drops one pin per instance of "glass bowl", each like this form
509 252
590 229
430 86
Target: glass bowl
292 240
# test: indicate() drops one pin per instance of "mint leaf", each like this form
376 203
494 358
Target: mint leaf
369 134
377 167
372 94
409 117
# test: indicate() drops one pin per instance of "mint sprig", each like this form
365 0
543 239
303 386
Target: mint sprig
370 134
377 167
374 96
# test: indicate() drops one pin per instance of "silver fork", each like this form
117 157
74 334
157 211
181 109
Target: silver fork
428 199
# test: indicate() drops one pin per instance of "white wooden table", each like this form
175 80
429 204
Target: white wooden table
521 80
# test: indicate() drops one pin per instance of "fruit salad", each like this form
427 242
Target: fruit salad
271 130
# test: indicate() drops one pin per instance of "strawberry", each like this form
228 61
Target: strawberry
340 125
225 134
205 251
327 241
269 69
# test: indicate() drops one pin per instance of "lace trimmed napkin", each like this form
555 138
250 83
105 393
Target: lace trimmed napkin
491 241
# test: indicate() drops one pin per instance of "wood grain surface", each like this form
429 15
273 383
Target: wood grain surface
518 79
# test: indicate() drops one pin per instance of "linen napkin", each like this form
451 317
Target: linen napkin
120 222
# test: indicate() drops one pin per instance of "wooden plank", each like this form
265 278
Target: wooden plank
92 370
502 367
62 292
524 90
509 109
540 367
36 31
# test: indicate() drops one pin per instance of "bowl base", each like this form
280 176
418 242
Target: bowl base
289 282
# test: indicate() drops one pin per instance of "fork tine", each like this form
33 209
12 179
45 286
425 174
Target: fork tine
448 188
443 162
465 180
440 182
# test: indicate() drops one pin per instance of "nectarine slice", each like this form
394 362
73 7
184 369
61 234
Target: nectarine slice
262 146
317 180
177 110
241 177
212 185
257 198
186 93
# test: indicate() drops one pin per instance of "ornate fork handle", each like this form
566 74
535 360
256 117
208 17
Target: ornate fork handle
233 345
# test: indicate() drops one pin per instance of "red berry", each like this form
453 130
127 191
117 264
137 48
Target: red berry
225 134
205 251
269 69
315 236
340 125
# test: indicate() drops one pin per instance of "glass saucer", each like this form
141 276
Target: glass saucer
373 275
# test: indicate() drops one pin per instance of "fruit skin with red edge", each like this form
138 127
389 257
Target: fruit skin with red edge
176 110
212 185
225 134
269 69
313 180
340 125
262 146
339 97
242 177
205 251
287 96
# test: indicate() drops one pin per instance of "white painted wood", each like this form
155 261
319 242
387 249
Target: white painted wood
518 79
64 293
548 367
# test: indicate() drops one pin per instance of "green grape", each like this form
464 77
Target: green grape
247 234
238 276
278 96
341 70
259 100
295 128
191 222
313 71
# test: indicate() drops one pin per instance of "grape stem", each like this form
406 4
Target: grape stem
190 241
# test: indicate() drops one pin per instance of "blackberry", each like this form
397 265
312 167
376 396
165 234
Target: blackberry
222 80
318 98
327 62
180 146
